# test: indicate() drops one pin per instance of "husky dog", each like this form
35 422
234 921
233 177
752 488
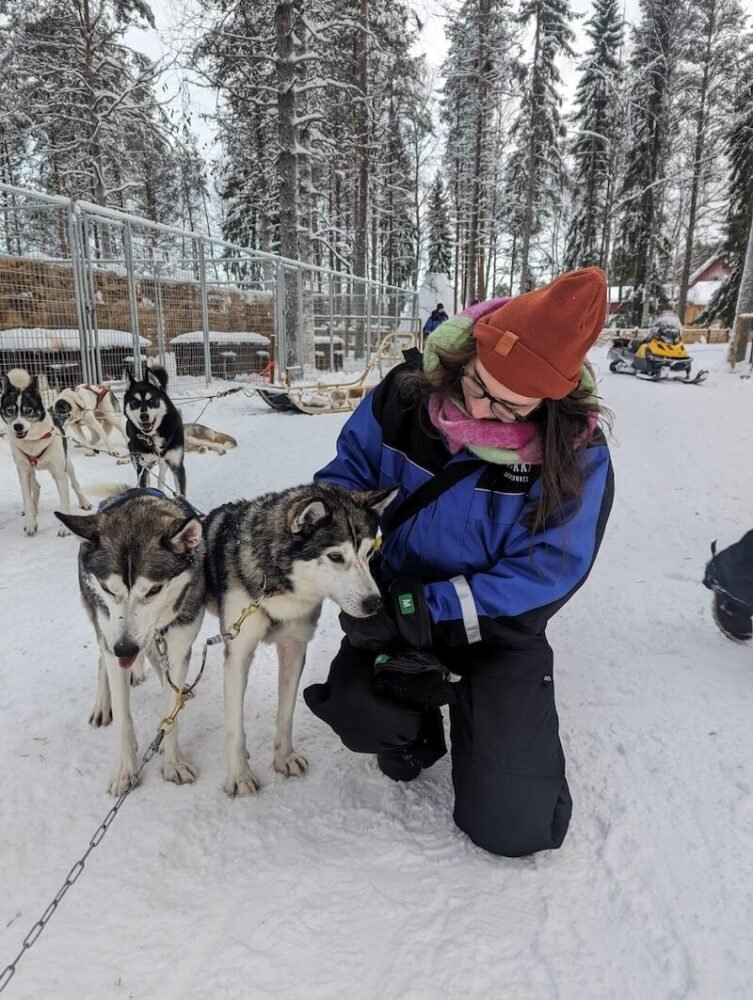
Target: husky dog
141 573
287 551
154 428
36 442
201 438
91 408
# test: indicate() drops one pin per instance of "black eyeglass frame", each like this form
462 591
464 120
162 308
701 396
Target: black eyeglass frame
471 381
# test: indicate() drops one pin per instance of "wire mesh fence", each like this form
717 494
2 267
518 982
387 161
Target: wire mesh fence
88 293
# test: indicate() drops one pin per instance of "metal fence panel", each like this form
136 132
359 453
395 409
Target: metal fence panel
87 293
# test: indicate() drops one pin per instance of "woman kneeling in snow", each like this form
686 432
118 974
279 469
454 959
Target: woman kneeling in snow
505 489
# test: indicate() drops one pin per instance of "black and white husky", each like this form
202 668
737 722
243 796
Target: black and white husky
287 551
141 573
89 413
154 428
37 443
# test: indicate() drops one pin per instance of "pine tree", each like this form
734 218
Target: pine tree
399 122
440 236
480 70
713 32
538 127
87 96
643 246
594 149
739 218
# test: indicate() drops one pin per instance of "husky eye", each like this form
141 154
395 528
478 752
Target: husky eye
10 411
27 410
336 557
153 591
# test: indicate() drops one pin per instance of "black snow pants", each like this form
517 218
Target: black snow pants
508 768
733 568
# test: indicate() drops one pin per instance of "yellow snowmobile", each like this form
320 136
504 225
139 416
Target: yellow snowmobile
655 356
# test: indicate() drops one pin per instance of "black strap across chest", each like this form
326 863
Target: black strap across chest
424 495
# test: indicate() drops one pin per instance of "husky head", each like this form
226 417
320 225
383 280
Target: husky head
21 404
144 400
140 566
334 534
67 406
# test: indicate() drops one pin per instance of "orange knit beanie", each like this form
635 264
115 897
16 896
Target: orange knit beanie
536 343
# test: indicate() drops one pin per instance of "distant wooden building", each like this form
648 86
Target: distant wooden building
702 285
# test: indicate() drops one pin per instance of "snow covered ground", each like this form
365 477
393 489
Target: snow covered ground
345 885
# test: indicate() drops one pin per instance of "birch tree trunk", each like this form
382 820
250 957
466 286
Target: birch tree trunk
287 171
473 235
362 179
745 295
698 154
532 169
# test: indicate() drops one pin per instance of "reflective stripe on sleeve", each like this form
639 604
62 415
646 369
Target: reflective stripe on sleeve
467 608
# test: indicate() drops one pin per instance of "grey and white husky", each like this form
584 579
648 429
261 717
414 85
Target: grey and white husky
37 443
141 573
287 551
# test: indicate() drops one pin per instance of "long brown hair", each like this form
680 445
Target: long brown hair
564 424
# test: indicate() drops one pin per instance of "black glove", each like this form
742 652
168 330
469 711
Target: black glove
377 632
408 603
414 676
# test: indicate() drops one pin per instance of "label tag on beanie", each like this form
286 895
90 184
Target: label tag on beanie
505 343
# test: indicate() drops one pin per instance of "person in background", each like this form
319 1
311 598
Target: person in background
729 575
437 316
505 486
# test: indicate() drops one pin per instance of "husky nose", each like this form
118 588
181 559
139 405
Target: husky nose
371 605
124 649
18 427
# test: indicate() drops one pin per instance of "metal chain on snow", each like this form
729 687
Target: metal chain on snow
165 727
9 971
160 643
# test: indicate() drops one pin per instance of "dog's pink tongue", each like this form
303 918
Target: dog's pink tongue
127 661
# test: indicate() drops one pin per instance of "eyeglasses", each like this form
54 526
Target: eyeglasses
500 409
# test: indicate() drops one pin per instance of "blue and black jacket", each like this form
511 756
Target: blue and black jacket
486 578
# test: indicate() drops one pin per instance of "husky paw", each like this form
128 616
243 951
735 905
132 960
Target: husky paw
85 505
30 528
101 715
292 765
124 778
62 531
243 783
179 770
90 454
123 461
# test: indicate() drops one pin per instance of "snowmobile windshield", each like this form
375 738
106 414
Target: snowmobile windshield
669 335
668 332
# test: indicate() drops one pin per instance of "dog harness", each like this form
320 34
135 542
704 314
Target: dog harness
33 459
100 391
151 491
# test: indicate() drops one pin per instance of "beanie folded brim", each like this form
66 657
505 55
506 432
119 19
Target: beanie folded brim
525 372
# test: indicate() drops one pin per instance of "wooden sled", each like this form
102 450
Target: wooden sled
338 397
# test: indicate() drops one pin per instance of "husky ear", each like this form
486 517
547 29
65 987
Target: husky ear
185 535
88 528
34 384
6 384
377 500
128 377
309 516
151 377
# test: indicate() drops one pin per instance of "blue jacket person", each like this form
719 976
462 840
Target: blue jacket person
505 486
